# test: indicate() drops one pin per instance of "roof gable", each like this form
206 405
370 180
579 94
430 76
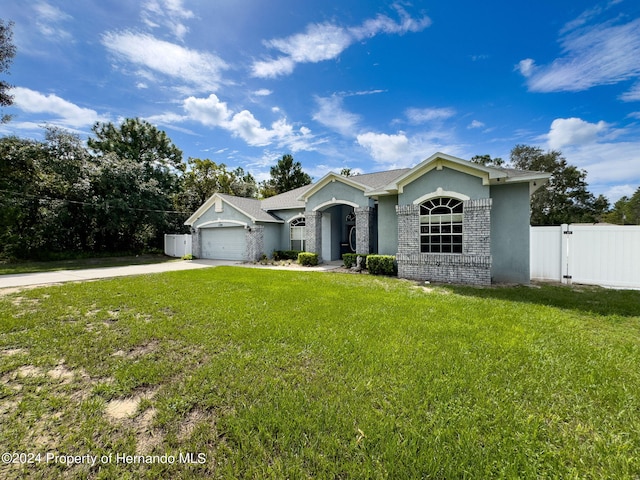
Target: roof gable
250 207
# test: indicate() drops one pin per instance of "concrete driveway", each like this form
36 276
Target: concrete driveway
61 276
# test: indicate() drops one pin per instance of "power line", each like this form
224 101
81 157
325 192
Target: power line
91 204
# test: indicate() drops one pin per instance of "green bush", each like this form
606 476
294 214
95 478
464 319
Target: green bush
308 259
350 259
188 256
382 265
285 254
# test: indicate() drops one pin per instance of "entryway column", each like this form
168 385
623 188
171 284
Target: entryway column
313 233
364 228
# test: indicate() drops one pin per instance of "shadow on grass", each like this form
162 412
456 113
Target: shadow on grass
588 299
10 268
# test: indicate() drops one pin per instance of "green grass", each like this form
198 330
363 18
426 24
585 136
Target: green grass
10 268
276 374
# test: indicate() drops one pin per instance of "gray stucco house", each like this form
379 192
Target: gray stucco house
445 220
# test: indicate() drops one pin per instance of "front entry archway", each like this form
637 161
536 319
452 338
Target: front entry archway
338 231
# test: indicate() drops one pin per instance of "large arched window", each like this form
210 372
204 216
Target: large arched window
297 234
441 225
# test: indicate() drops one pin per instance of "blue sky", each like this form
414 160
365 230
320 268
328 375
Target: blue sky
366 85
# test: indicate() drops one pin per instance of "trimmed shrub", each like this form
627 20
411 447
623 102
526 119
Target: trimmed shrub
308 259
382 265
285 254
350 259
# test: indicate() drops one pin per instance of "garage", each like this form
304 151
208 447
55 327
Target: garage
224 243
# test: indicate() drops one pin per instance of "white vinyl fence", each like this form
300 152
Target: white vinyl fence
607 255
177 245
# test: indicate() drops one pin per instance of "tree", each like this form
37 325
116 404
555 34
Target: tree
626 211
487 161
346 172
137 177
565 199
286 175
205 177
7 52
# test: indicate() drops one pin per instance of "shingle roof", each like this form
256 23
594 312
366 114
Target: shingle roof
251 207
285 200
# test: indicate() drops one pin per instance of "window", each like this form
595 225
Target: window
297 234
441 225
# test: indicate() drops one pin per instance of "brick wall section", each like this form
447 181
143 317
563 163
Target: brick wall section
313 233
364 229
255 243
472 267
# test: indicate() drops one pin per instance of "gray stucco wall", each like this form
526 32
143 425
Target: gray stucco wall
448 180
272 237
283 235
228 213
387 225
339 191
510 233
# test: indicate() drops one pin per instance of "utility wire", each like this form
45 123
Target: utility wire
78 202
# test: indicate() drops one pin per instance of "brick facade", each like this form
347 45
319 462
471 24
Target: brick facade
473 266
364 229
255 243
313 233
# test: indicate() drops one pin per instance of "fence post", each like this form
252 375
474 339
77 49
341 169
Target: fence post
565 233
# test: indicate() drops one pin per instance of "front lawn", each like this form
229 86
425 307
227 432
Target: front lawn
246 373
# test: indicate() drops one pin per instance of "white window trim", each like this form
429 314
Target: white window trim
441 193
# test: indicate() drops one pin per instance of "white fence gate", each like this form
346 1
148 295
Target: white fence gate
607 255
177 245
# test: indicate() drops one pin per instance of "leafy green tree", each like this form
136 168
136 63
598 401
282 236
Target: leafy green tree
19 195
626 211
137 177
203 178
565 199
346 172
286 175
7 53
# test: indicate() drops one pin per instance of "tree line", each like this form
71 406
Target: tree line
120 192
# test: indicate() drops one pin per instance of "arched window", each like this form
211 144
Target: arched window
441 225
297 234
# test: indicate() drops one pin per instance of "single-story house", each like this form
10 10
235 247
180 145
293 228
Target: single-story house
445 220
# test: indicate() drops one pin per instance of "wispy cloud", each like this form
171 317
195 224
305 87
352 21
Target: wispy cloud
60 111
424 115
476 124
198 70
600 54
169 14
325 41
49 20
332 114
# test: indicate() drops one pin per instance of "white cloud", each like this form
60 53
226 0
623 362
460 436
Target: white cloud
331 114
213 112
326 41
476 124
48 19
166 13
422 115
62 112
201 70
602 54
526 67
574 131
263 92
633 95
384 148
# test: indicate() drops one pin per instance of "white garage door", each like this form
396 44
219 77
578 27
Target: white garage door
223 243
